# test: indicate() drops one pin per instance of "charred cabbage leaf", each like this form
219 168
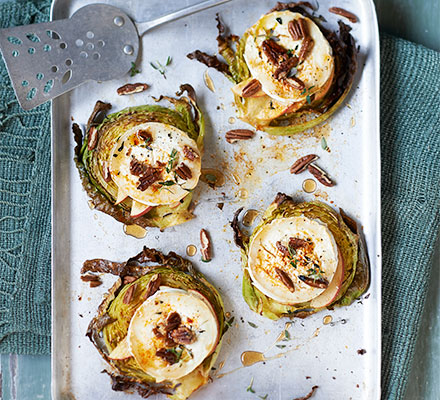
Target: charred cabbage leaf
110 326
101 135
350 243
234 67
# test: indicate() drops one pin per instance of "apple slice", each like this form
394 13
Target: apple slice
121 196
329 295
121 351
139 209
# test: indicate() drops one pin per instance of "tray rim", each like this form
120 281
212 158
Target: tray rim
378 234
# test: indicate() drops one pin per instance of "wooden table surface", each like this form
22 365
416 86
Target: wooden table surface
28 377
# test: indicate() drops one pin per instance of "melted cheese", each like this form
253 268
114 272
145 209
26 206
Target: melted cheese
264 257
316 71
166 141
195 312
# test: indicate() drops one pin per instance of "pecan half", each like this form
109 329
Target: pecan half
137 167
206 248
183 335
251 88
148 178
296 83
157 332
298 28
297 243
344 13
167 355
273 51
316 283
173 322
189 153
93 280
92 138
128 296
152 286
131 88
285 67
184 172
301 164
320 175
285 278
239 134
306 46
145 135
284 250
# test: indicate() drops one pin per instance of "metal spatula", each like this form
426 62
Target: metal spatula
99 42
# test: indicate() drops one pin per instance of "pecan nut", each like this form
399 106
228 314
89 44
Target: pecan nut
93 280
306 46
285 67
344 13
283 249
189 153
145 135
167 355
150 176
316 283
173 321
131 88
295 83
298 29
285 278
297 243
320 175
274 52
239 134
128 279
206 248
183 335
301 164
184 172
251 88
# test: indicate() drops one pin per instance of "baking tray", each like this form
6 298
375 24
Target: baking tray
323 355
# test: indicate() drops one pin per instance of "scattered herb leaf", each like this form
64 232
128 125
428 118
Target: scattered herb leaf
263 397
171 161
304 91
309 100
280 346
249 388
230 321
279 20
133 69
167 183
286 335
161 68
324 143
252 324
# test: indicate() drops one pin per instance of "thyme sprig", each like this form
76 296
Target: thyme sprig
161 68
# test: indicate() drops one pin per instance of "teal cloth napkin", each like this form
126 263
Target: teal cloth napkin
410 119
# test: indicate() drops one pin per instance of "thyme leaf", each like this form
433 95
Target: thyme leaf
133 69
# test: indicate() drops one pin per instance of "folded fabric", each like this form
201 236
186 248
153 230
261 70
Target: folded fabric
410 131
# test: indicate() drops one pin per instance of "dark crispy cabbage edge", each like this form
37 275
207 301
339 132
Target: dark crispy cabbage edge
186 116
110 325
235 69
350 243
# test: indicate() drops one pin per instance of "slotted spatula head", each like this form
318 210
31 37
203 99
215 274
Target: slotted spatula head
99 42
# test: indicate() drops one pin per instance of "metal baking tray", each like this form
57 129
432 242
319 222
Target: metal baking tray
316 354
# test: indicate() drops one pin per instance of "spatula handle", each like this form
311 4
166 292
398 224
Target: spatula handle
145 26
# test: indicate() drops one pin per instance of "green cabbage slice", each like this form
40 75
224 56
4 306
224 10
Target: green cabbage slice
88 158
111 324
348 239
